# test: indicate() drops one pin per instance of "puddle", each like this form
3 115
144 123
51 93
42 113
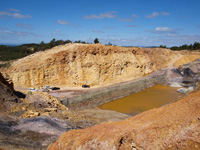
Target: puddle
153 97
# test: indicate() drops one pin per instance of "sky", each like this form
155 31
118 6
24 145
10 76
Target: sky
124 22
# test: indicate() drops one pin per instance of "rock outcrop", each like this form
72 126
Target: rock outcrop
93 64
8 97
174 126
6 82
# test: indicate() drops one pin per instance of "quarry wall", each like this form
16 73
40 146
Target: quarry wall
93 64
96 97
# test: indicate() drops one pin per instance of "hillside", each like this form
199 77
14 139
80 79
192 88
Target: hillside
93 64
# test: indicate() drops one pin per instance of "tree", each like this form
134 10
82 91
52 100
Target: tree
42 43
52 43
53 40
59 42
175 48
96 40
109 44
79 41
68 41
196 46
191 47
163 46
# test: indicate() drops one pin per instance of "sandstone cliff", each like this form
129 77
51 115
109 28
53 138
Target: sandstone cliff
175 126
76 64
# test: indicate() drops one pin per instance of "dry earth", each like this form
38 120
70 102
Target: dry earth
175 126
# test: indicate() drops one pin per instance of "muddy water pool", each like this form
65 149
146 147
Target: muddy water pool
153 97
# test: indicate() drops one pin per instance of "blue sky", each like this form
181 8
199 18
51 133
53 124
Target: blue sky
127 22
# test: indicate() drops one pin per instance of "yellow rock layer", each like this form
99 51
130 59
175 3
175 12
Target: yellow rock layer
186 59
93 64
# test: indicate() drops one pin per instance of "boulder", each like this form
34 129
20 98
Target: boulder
182 90
190 89
175 84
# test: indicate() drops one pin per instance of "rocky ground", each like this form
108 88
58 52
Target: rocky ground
37 119
174 126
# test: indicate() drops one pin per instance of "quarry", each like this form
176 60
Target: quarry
73 117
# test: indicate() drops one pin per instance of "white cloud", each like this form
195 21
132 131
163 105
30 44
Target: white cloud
125 20
172 35
17 33
113 35
14 10
109 14
134 15
19 16
63 22
131 26
24 26
109 27
96 31
7 32
4 14
176 40
2 28
156 14
163 29
164 13
58 32
67 23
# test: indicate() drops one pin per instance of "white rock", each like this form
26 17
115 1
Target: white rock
182 90
175 84
190 89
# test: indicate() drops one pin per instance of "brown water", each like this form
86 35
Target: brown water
153 97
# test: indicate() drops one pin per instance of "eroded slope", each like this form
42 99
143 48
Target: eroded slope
175 126
94 64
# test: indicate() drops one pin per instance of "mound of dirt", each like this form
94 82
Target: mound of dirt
174 126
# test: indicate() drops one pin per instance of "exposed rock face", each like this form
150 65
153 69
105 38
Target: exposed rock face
6 82
44 124
174 126
94 64
30 134
186 59
8 97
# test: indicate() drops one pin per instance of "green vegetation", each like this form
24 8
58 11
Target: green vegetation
15 52
195 46
5 65
109 44
96 41
79 41
163 46
8 53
